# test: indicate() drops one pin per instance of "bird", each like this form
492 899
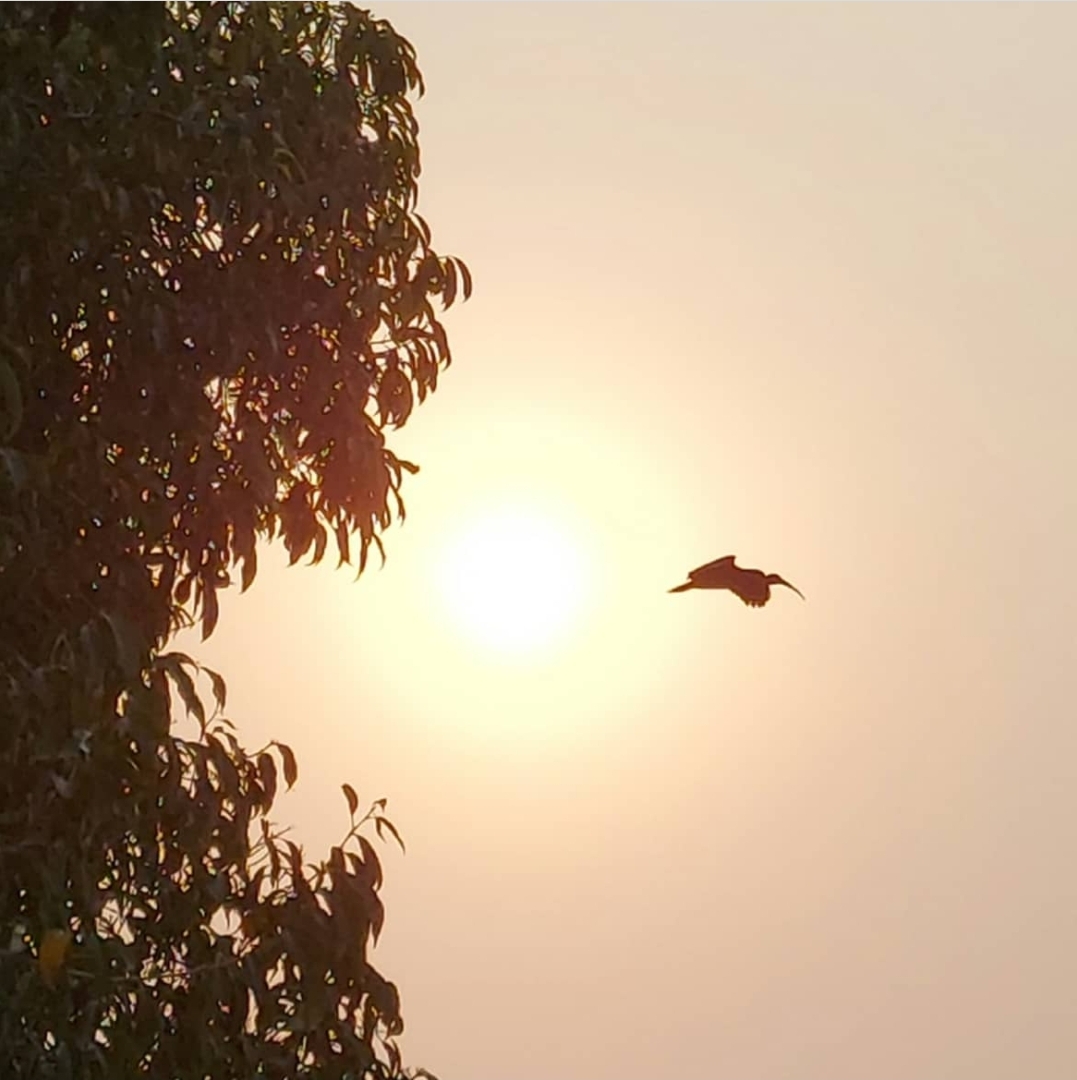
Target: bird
752 586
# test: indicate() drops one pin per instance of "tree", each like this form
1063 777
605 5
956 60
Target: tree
216 298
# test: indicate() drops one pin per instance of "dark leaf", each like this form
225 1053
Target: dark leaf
371 861
377 918
320 538
209 608
448 289
465 275
380 823
219 688
174 665
291 770
249 570
295 860
267 771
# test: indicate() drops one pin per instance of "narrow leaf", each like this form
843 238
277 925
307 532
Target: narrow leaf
380 822
210 610
250 569
267 770
448 288
185 686
219 689
343 543
465 274
370 861
295 859
291 770
320 538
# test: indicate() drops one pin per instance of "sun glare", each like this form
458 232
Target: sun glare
513 580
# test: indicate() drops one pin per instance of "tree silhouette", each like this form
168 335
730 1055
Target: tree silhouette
216 297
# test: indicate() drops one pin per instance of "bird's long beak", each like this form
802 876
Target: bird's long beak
782 581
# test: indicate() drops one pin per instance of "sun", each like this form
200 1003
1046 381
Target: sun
514 579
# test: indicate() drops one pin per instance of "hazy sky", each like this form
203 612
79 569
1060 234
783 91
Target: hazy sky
794 282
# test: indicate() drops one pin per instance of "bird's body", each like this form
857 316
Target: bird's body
752 586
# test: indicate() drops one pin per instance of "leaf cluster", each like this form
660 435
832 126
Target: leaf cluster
216 299
214 267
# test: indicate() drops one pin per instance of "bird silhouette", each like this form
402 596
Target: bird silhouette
752 586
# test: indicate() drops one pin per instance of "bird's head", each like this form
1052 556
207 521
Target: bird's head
777 579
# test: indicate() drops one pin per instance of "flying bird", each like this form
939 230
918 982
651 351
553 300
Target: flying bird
752 586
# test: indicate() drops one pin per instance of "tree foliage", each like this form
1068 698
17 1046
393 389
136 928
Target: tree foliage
216 298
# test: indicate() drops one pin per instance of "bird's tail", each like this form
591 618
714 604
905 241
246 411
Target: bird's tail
682 588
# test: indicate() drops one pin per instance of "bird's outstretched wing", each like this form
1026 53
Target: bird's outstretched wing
725 560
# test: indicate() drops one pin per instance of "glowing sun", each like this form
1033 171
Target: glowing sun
513 580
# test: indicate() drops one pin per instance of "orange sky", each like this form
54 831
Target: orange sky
794 282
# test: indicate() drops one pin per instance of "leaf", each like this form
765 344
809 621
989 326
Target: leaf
267 772
353 799
220 691
371 861
320 538
173 665
295 859
271 851
249 570
343 542
254 887
377 920
364 551
448 288
336 861
381 822
465 275
291 770
210 610
183 589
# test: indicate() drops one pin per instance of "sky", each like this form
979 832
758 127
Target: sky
793 282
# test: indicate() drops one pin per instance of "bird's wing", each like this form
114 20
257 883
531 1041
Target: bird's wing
725 560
